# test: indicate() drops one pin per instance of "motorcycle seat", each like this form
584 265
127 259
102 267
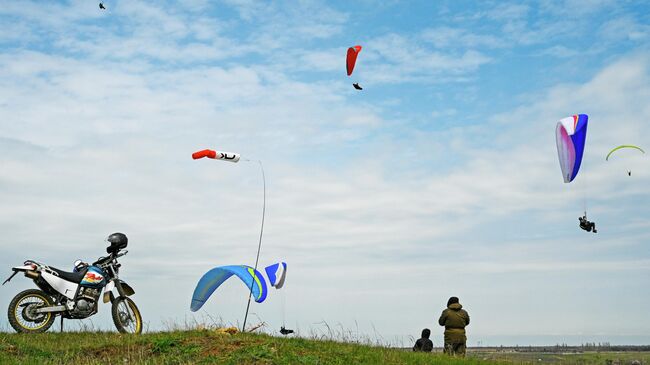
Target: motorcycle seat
74 277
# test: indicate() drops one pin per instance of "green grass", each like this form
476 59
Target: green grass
211 347
198 347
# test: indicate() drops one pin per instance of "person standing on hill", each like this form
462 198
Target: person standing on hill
455 319
424 343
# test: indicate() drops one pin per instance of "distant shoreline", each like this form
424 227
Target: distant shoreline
558 349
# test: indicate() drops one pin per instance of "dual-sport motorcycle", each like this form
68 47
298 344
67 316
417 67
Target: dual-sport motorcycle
75 295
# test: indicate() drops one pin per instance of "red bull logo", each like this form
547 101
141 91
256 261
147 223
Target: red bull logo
93 278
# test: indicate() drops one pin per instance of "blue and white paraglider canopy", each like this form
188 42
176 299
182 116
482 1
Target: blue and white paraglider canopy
276 274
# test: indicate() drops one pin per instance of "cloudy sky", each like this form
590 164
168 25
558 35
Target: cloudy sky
440 178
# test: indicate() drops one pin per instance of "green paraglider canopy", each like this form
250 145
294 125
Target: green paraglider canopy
621 147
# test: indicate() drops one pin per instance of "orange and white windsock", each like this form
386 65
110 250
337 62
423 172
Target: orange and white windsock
216 155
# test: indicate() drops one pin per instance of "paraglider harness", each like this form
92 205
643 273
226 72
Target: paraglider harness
587 225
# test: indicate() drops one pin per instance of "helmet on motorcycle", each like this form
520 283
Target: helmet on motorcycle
117 242
79 266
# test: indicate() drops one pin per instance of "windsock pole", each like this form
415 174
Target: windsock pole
259 246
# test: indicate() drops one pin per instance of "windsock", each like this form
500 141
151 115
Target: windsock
216 155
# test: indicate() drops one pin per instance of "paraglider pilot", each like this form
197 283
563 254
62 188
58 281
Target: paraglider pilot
285 331
587 225
101 6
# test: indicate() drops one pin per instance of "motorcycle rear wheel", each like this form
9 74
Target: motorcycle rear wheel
126 316
22 315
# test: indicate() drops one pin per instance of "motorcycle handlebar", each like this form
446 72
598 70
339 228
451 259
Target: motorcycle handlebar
105 259
102 260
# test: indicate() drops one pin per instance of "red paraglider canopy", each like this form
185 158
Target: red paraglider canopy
351 60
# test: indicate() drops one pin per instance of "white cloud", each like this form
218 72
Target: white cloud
288 27
443 37
578 8
508 12
625 28
394 58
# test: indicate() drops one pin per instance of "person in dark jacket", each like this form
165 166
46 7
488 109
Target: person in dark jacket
587 225
455 319
424 343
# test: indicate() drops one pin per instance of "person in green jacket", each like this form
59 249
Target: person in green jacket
455 319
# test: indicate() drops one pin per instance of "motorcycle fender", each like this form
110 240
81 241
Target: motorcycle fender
107 291
64 287
128 290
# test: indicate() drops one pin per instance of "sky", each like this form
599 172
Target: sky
439 179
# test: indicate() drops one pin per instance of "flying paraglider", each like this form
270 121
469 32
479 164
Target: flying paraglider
629 172
351 61
570 135
217 276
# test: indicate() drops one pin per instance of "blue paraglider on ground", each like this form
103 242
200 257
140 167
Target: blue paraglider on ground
217 276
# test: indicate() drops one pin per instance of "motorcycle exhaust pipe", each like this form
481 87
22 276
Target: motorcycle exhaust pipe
32 274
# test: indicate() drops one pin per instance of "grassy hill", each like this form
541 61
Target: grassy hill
212 347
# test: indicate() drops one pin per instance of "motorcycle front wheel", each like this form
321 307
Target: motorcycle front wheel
22 312
126 316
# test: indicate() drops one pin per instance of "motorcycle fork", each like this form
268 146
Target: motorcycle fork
120 290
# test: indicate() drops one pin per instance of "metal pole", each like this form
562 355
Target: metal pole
259 246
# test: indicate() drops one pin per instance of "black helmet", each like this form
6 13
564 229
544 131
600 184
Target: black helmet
117 242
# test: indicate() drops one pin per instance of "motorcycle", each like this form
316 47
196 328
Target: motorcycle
75 295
